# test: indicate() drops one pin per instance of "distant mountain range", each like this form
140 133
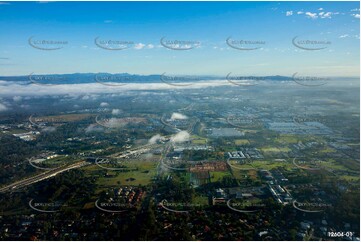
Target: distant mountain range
77 78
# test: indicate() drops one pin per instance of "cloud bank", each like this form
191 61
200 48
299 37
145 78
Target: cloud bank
177 116
11 89
180 137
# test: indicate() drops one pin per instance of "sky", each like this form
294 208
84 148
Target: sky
274 31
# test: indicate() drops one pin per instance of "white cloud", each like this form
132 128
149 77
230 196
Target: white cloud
94 128
289 13
10 89
104 104
177 116
48 129
116 111
180 137
356 15
114 123
311 15
320 9
326 15
355 10
17 99
139 46
3 107
155 138
150 46
321 14
344 36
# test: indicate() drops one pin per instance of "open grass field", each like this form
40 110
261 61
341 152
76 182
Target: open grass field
218 175
275 149
137 177
350 178
146 170
239 174
260 165
271 164
241 142
197 140
65 117
290 139
238 165
200 200
332 164
59 159
344 165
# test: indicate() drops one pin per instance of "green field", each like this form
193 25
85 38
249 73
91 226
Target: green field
275 149
290 139
260 165
218 175
65 117
58 160
349 178
140 177
240 166
143 176
197 140
200 200
239 174
268 165
241 142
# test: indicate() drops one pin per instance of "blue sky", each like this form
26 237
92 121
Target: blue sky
210 23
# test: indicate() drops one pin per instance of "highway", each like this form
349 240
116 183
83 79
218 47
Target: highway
167 124
137 150
40 177
168 147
